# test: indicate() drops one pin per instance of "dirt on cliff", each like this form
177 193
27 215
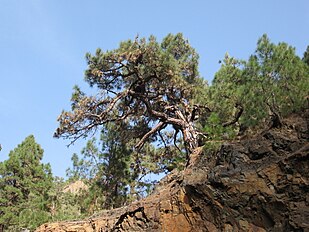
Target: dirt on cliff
254 184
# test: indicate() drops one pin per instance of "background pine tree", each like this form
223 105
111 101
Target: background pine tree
24 186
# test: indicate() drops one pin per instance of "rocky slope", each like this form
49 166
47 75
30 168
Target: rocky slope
255 184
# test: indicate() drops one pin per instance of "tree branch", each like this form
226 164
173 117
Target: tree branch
155 129
236 116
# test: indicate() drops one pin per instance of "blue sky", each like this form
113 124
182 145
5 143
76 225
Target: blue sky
43 45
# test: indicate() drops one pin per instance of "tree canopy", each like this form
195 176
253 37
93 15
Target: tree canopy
24 186
147 84
274 82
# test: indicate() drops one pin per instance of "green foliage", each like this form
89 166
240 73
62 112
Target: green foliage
214 128
108 168
273 82
64 205
225 91
148 84
306 56
216 133
116 174
24 186
282 76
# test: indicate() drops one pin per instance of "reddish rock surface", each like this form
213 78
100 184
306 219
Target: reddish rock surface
255 184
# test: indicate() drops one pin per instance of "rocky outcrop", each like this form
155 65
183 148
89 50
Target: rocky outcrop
75 187
255 184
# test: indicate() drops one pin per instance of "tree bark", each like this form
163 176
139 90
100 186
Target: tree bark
190 137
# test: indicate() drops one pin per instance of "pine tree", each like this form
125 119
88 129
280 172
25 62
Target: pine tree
64 205
226 98
281 76
113 172
151 85
274 82
24 186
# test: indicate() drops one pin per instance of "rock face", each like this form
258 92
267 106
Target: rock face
75 187
255 184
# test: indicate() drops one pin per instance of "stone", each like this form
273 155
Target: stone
245 186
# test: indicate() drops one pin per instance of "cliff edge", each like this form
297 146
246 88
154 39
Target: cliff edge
259 183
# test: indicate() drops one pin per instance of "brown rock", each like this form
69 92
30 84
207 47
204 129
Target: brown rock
258 184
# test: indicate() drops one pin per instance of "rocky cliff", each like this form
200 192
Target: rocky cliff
254 184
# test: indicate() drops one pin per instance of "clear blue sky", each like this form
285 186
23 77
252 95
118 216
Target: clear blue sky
43 45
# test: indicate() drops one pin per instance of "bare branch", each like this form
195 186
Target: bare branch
154 130
236 116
